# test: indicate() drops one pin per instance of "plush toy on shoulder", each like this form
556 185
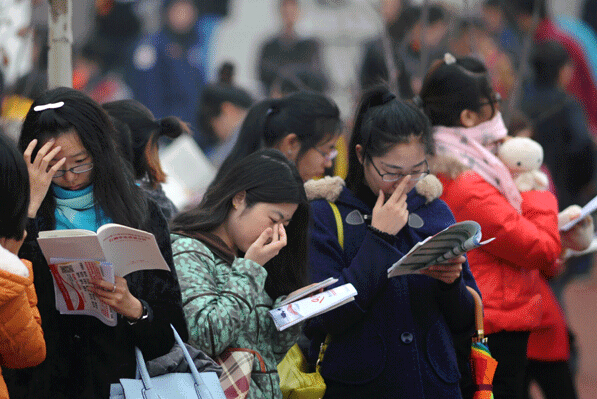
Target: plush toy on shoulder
523 157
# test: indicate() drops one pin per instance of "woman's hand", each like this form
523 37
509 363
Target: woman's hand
579 237
268 245
392 216
447 272
40 176
118 297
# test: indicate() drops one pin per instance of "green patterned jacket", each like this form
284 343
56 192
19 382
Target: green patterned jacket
227 306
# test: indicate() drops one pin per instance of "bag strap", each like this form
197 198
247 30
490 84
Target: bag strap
144 374
257 355
480 336
340 230
339 224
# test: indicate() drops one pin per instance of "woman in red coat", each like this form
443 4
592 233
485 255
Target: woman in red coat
468 128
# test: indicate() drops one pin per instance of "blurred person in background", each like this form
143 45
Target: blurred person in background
169 68
287 48
398 19
500 28
582 84
222 109
434 41
93 75
140 135
472 38
304 126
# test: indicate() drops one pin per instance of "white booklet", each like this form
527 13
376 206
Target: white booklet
586 210
295 312
309 289
449 243
76 256
128 249
71 279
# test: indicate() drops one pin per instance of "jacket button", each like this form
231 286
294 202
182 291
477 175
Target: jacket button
406 337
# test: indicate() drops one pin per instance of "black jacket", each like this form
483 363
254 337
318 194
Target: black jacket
84 356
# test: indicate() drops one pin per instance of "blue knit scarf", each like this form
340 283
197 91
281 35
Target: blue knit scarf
75 209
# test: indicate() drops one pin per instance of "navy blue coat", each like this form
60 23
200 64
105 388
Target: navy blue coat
395 339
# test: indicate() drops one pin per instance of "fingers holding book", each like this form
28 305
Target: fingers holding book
447 272
117 296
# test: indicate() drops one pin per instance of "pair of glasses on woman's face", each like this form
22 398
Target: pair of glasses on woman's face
419 172
328 156
86 167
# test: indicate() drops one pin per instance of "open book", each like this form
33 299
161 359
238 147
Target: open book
449 243
289 314
76 256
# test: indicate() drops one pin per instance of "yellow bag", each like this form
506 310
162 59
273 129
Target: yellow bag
295 381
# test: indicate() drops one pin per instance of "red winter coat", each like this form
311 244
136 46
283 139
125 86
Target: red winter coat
21 338
506 269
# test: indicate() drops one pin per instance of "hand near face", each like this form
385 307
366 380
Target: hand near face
267 245
40 176
118 297
447 272
391 216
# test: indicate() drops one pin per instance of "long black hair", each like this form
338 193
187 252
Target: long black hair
266 176
382 121
114 188
14 186
450 88
311 116
144 132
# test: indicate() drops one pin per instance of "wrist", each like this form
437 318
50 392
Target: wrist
141 312
390 238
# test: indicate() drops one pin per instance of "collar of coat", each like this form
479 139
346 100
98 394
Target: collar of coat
330 188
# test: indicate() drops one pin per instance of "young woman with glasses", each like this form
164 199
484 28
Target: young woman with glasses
468 128
304 126
395 339
80 181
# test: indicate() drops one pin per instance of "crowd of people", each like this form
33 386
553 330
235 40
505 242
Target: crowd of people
439 94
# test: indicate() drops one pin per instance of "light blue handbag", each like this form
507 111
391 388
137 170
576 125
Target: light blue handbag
168 386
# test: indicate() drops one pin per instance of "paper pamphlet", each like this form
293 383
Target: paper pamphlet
128 249
588 209
71 279
303 309
308 290
189 171
449 243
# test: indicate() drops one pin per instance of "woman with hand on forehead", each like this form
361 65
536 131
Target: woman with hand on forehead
395 339
80 181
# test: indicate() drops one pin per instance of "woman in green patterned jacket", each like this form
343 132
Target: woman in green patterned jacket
235 262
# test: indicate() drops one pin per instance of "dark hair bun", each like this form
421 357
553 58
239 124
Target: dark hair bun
172 127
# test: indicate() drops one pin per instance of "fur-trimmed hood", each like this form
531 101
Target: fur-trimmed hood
329 188
448 166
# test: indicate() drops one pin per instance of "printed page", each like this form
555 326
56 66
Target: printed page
130 250
449 243
305 291
71 279
295 312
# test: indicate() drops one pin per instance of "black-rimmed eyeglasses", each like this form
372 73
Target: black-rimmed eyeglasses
415 175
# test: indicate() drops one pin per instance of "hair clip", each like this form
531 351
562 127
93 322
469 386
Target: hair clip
271 110
418 101
39 108
449 59
387 97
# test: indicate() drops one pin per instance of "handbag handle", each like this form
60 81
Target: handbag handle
478 315
202 393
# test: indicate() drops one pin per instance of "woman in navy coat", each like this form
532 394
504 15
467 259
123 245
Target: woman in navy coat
396 339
